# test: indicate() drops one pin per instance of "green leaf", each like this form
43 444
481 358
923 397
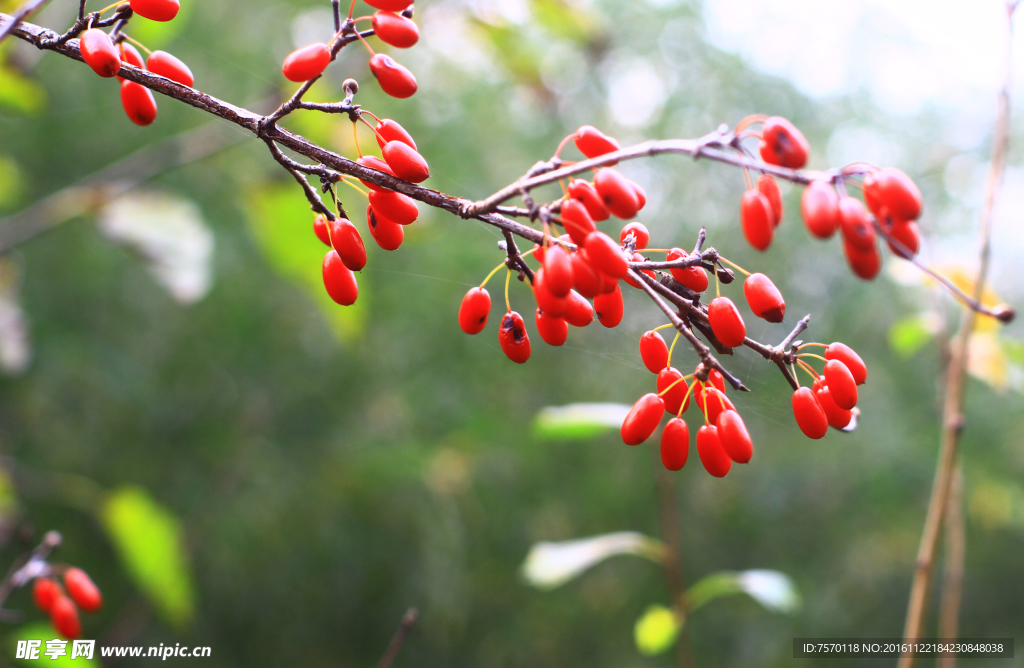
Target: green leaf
565 20
44 632
550 565
282 223
157 34
513 51
19 93
578 421
149 540
656 630
11 184
772 589
908 335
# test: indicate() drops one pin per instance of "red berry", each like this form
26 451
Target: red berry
473 311
841 384
694 278
577 221
676 400
390 5
617 193
643 418
734 437
865 263
640 235
905 232
394 79
608 283
320 229
389 130
578 311
715 379
712 455
837 417
306 63
130 55
653 351
764 298
593 143
395 29
339 280
156 10
892 189
809 415
768 187
348 243
558 270
756 218
83 590
99 52
405 162
548 302
717 403
64 617
553 330
675 444
166 65
586 194
388 234
138 102
45 592
641 196
373 162
820 208
726 322
585 278
782 144
512 336
606 255
856 224
853 362
394 206
609 308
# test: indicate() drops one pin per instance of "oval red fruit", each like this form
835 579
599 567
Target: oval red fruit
640 234
593 143
394 79
306 63
388 234
606 255
820 208
166 65
856 224
156 10
389 130
45 592
764 298
64 617
903 232
320 229
712 455
394 206
577 221
676 400
373 162
894 190
616 193
348 243
99 53
405 162
558 270
726 322
138 102
83 590
643 418
717 403
609 308
553 330
675 444
853 362
865 263
473 311
586 194
585 278
512 336
548 302
841 384
733 435
756 218
131 56
395 29
694 278
837 417
390 5
783 144
339 280
653 351
578 311
809 414
768 187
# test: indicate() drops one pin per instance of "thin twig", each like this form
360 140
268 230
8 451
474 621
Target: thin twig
408 620
19 14
953 577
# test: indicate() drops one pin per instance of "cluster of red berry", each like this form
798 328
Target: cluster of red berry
391 25
62 607
387 214
104 54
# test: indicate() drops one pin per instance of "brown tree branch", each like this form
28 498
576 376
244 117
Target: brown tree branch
953 577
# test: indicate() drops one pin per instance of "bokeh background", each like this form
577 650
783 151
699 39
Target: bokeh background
173 370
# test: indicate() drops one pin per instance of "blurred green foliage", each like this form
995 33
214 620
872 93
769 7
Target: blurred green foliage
331 468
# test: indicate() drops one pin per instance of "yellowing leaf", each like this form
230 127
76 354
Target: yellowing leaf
44 633
987 360
19 93
550 565
964 279
656 630
149 540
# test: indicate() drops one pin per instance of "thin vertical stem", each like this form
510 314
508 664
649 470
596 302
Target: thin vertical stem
953 577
